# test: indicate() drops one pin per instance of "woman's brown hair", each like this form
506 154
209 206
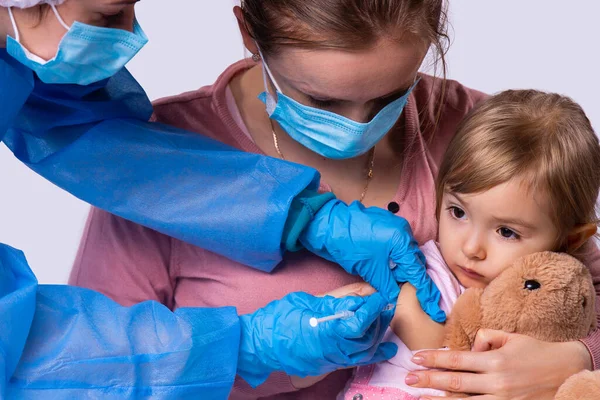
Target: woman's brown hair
347 24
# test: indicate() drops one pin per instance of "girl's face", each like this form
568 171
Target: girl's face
482 234
354 84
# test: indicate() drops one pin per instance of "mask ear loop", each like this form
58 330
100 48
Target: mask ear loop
16 29
266 68
14 25
271 103
59 18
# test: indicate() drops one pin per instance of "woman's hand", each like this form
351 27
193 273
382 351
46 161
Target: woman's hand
41 32
502 366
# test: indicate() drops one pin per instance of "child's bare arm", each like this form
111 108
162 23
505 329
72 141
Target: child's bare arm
415 328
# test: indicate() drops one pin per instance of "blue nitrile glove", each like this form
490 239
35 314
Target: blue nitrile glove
376 245
279 336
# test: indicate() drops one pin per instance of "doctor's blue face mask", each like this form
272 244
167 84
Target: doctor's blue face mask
86 54
327 133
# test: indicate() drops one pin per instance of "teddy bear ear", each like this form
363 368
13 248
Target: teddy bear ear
579 235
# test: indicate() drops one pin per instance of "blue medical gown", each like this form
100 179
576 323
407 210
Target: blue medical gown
96 143
61 342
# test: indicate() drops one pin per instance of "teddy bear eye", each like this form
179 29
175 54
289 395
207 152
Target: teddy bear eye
532 285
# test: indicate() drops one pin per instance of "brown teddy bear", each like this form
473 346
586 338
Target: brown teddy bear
582 386
549 296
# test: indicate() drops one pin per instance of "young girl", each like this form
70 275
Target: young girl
522 175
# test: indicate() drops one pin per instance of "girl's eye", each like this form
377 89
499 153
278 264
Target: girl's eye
457 212
321 103
508 233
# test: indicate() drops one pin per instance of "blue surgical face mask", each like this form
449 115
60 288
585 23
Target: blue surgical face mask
86 54
324 132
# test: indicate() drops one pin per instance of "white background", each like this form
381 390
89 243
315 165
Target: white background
544 44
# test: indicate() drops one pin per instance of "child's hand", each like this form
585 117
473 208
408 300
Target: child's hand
361 289
303 383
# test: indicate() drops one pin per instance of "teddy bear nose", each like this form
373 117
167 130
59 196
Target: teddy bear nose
532 285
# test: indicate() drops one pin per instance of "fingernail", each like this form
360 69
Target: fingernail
411 379
418 360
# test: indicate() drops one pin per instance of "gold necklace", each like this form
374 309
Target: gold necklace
371 161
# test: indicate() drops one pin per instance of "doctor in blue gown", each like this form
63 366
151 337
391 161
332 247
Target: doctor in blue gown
85 129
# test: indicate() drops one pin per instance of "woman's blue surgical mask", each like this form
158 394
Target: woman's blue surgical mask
324 132
86 54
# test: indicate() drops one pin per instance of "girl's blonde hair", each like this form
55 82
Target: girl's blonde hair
544 138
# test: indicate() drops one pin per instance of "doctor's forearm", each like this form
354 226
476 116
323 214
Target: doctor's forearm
96 143
75 343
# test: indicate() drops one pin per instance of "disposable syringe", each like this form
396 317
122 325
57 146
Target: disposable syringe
341 315
314 322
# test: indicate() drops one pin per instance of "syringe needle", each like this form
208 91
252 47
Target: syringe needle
314 322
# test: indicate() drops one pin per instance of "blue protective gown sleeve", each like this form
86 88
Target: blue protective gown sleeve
63 342
95 142
16 84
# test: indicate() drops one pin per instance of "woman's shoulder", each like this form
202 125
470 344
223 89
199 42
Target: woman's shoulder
204 110
441 106
456 96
